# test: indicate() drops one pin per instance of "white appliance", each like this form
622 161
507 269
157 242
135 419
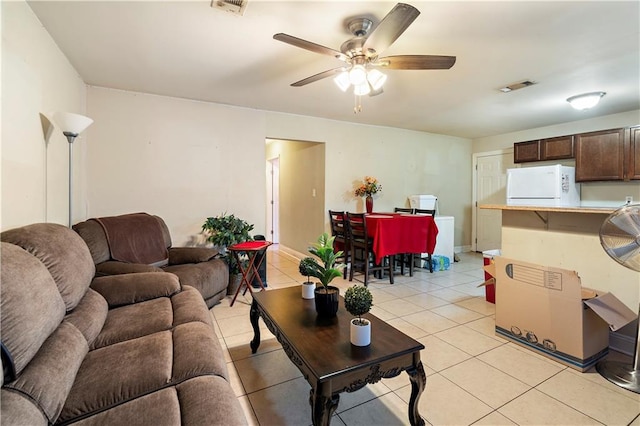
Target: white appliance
548 186
445 224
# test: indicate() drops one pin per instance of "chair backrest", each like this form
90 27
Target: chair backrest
357 226
338 224
425 212
402 210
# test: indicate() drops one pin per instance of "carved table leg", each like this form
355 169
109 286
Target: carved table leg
418 382
254 314
322 406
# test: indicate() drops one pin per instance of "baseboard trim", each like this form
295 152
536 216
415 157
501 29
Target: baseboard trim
622 343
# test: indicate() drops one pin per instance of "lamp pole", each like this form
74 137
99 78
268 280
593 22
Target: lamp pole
70 138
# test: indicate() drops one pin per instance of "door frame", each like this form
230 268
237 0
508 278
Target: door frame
474 190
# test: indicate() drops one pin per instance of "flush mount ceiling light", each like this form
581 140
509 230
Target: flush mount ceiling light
586 100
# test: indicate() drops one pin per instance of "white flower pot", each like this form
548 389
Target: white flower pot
308 290
360 335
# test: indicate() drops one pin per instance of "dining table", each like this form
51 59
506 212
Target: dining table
396 233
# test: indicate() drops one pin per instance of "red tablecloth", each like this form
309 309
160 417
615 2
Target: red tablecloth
401 233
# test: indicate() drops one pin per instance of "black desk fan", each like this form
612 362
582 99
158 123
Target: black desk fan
620 238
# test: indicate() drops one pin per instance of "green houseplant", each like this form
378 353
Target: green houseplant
223 231
326 268
358 301
306 268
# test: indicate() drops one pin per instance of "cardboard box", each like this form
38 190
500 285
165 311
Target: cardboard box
547 310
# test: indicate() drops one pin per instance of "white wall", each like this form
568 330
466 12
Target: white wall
36 78
405 162
182 160
186 160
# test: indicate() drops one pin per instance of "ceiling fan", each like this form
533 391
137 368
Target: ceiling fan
361 53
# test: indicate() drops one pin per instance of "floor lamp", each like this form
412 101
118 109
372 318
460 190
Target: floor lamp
72 125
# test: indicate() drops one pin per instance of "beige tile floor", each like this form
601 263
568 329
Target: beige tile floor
473 376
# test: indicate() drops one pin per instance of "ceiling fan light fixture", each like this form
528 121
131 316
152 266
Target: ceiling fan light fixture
358 75
585 100
361 89
376 79
342 81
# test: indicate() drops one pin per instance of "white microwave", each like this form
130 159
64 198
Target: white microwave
549 186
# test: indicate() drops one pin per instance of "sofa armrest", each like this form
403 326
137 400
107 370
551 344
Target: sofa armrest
182 255
114 267
126 289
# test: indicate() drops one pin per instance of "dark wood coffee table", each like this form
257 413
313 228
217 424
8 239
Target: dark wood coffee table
321 350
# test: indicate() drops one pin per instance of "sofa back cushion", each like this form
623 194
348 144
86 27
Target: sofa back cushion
63 252
31 307
93 235
165 231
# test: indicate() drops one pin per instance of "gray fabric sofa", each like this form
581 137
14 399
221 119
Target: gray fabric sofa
124 349
197 267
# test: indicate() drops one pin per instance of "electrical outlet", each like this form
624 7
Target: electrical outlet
628 199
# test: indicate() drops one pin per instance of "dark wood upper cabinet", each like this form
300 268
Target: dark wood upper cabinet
524 152
634 153
600 155
557 148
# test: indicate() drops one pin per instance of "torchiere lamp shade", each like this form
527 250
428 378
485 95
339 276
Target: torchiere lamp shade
72 123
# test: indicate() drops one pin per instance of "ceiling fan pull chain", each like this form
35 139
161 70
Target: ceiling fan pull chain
357 104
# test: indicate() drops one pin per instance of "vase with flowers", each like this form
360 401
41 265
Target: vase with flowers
367 188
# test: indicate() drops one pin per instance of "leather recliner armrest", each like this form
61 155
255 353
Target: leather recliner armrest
182 255
126 289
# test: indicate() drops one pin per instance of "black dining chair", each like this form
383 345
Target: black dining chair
362 255
404 259
431 213
338 221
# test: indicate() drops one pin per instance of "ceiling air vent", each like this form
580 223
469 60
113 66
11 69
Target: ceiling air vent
516 86
234 6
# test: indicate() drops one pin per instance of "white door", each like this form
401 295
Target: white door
491 182
273 196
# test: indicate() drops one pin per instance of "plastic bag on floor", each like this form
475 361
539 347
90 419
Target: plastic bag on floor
440 263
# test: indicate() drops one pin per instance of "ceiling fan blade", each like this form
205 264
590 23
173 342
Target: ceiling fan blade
316 77
416 62
313 47
391 27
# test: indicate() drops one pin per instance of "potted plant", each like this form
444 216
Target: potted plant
358 301
223 231
326 268
306 268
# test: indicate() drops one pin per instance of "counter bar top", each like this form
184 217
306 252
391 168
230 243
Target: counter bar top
585 209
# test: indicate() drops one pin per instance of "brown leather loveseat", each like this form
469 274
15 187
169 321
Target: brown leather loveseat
115 350
140 242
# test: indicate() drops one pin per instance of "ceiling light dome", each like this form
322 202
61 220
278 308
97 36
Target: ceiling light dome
358 75
586 100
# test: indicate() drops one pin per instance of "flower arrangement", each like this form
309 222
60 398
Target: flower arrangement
369 186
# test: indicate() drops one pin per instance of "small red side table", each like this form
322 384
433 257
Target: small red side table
252 249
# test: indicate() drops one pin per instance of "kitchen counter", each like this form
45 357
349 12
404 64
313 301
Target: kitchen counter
581 209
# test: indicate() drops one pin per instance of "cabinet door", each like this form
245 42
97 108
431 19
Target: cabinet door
556 148
526 151
600 155
634 154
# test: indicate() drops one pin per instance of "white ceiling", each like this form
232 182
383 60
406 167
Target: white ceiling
188 49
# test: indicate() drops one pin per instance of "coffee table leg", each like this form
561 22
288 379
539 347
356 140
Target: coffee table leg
322 406
254 314
418 382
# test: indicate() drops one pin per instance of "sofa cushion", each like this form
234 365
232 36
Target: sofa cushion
18 409
121 372
113 267
93 235
90 315
133 321
209 278
49 376
126 289
30 305
72 268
